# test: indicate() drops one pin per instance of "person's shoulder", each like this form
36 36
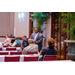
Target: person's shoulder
8 38
18 41
33 33
55 48
46 48
25 39
40 34
35 44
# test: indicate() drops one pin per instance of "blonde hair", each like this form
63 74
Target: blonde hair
50 42
16 37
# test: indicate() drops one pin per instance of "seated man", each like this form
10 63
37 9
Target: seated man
32 47
25 41
7 40
16 43
12 41
50 50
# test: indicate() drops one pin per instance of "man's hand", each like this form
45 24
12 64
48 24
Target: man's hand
7 44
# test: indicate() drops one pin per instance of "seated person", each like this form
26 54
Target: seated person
25 41
50 50
32 47
7 40
16 43
12 41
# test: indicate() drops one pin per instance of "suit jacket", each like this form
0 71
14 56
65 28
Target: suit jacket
25 43
48 51
39 40
30 48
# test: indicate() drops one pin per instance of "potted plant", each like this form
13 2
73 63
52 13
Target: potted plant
69 18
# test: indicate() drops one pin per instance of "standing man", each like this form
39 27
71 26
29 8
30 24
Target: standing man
25 41
37 38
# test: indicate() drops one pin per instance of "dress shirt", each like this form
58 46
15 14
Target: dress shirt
35 36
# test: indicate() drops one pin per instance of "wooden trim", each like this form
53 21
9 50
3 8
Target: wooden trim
53 25
9 37
64 38
30 25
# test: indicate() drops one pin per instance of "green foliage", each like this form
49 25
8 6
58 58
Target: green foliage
41 19
69 18
66 30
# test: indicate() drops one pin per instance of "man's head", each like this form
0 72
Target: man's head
23 37
51 42
30 41
16 37
7 36
36 30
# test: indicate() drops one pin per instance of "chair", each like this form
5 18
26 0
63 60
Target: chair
22 48
12 58
0 49
50 57
10 49
32 53
18 46
5 46
30 58
4 53
15 53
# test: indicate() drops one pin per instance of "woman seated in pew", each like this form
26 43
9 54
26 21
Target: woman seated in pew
50 50
7 40
16 43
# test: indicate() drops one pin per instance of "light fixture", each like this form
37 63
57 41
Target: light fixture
21 15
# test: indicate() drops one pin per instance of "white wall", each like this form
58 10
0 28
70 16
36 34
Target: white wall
48 31
6 23
11 23
21 27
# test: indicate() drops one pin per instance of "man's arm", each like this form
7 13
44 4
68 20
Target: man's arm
5 41
40 40
31 36
24 43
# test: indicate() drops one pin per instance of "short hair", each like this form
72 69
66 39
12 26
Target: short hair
25 36
50 42
7 35
37 28
16 37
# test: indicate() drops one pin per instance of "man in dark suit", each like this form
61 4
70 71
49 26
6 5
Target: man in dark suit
38 38
25 41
